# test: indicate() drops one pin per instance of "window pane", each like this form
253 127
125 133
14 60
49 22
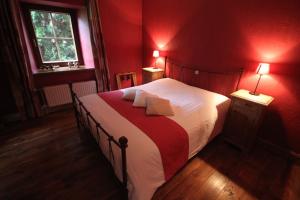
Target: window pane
62 25
54 35
48 50
42 23
67 49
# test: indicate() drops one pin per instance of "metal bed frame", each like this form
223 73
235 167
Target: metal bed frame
84 118
173 64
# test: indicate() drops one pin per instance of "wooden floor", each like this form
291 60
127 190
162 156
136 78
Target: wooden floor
49 158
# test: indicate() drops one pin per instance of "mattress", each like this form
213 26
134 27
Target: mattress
200 112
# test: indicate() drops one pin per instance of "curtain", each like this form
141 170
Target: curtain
14 57
100 60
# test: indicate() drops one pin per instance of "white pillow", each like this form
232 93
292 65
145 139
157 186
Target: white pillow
140 98
129 94
158 106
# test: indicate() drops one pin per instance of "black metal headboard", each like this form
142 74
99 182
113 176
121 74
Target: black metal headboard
227 81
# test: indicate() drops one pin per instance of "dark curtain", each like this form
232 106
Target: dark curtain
100 60
13 57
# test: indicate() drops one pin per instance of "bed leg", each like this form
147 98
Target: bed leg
77 118
75 108
124 143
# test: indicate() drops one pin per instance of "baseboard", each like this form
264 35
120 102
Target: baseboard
48 110
13 117
280 150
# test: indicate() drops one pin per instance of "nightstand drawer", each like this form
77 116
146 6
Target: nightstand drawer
248 109
245 106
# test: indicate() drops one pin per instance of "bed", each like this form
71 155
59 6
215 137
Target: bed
137 159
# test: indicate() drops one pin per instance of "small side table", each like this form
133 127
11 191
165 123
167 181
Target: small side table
151 74
245 116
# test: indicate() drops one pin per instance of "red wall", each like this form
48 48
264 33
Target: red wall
85 37
223 35
122 29
59 3
42 80
123 41
47 79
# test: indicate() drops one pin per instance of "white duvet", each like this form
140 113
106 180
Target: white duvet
195 110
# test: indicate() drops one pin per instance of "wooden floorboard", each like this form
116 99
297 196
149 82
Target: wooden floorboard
49 158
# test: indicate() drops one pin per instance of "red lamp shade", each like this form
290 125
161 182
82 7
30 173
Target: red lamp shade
155 53
263 68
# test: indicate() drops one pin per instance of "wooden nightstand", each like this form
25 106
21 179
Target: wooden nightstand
244 118
151 74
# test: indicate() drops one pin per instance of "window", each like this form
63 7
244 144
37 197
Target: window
54 34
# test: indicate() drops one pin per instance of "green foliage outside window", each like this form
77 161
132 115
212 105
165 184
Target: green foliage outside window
54 36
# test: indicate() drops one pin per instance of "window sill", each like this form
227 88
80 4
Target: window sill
62 70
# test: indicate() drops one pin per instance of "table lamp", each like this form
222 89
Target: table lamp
155 55
263 68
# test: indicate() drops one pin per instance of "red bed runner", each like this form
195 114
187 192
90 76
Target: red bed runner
170 138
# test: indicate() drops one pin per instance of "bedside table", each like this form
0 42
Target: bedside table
244 118
151 74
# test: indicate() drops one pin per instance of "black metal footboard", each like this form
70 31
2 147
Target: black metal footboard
84 118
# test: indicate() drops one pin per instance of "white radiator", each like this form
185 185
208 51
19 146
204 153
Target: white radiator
84 88
61 94
57 95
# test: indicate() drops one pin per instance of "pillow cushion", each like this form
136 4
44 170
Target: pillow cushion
140 98
158 106
129 94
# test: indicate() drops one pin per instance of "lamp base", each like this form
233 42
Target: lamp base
254 93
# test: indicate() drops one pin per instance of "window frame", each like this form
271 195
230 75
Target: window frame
33 39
